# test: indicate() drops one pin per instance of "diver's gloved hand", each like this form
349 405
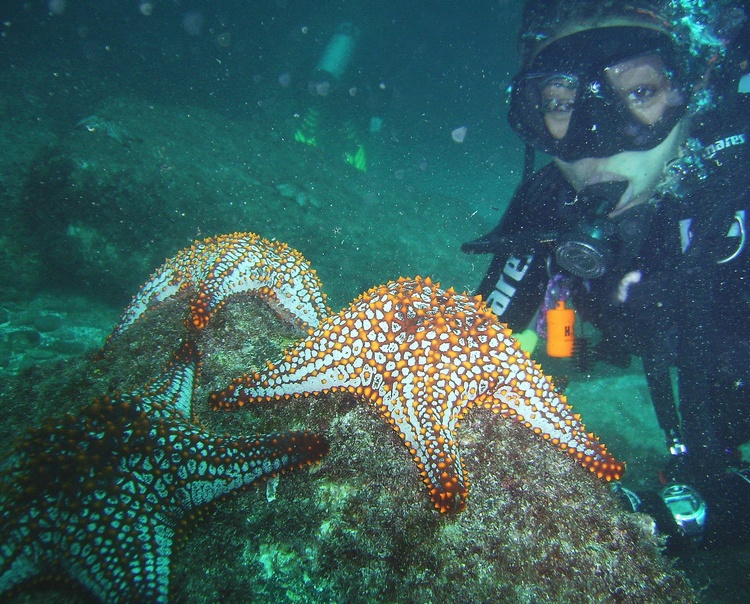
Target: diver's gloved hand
481 245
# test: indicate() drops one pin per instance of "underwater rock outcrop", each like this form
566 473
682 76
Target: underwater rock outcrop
357 528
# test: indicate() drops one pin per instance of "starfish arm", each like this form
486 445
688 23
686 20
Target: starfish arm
273 270
318 364
175 275
165 283
18 559
218 267
118 550
97 497
551 418
434 448
173 390
244 461
525 394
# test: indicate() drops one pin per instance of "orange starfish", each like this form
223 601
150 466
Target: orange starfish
424 356
218 267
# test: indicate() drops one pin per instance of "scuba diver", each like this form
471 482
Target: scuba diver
333 105
640 220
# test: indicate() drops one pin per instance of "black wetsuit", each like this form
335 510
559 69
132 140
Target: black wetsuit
691 305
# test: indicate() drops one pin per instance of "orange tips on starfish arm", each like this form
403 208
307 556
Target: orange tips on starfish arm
600 462
449 496
187 353
235 395
200 312
606 467
443 474
287 450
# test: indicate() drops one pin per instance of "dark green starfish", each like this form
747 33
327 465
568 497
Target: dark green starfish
98 497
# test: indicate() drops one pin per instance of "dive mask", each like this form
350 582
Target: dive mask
600 92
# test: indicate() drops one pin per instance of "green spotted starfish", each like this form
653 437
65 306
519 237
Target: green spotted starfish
98 497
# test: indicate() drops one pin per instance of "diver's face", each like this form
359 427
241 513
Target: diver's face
642 170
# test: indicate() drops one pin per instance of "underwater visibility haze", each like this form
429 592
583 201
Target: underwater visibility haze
240 356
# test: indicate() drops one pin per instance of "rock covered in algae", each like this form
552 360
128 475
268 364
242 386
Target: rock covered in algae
359 527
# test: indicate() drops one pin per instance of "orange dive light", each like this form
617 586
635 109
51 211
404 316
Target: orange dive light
560 335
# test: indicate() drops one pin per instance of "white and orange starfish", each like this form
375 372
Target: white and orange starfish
216 268
423 356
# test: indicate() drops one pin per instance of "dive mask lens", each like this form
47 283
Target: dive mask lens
557 98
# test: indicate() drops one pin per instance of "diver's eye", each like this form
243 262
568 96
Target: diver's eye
558 95
642 95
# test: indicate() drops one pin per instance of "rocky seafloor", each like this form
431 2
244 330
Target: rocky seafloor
359 527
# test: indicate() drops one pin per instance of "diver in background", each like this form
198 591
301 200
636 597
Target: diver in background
333 103
641 220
